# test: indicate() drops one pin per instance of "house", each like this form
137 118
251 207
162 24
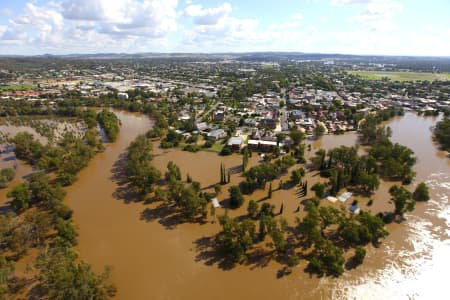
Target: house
217 134
297 114
236 143
122 96
202 126
263 146
268 123
219 116
250 122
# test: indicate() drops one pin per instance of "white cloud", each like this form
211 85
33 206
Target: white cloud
297 16
379 16
295 22
12 34
6 12
47 25
86 26
214 28
344 2
93 10
92 26
208 16
151 18
377 10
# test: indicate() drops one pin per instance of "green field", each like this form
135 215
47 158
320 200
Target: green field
12 88
401 76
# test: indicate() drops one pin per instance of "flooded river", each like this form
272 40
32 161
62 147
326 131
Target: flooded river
413 260
154 258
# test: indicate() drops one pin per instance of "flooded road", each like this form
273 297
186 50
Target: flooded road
155 259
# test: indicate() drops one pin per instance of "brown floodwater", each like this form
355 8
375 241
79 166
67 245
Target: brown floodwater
154 257
330 141
412 261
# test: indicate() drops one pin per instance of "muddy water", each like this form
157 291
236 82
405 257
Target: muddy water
153 257
328 142
413 259
7 160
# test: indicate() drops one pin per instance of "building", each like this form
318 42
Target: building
217 134
219 116
122 96
236 143
202 126
263 146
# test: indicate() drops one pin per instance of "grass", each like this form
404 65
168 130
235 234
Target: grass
22 87
216 147
401 76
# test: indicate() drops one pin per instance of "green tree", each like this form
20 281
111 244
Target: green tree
142 174
309 226
296 136
296 176
327 260
319 189
110 124
253 209
235 238
318 160
236 198
173 172
66 231
442 133
21 197
6 272
421 192
217 189
360 254
63 277
402 199
6 175
318 131
276 232
245 157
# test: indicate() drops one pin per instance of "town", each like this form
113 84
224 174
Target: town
233 98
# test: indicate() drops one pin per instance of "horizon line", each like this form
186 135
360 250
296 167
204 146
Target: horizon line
217 53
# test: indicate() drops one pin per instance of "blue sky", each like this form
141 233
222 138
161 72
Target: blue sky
387 27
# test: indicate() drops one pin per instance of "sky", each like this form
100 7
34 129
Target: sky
381 27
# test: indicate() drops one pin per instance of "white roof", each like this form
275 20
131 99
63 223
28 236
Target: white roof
332 199
215 203
235 140
345 196
256 142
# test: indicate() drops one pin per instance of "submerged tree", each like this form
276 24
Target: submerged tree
235 237
421 192
402 199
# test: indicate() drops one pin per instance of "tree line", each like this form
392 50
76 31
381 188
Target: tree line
40 219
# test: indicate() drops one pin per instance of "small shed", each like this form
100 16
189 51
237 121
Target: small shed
332 199
215 203
354 209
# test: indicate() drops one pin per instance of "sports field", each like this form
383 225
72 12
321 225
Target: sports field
401 76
